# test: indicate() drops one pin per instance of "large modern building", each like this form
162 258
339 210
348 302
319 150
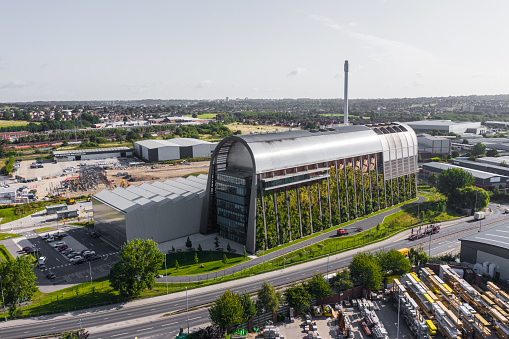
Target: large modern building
267 189
483 179
89 154
488 251
446 126
173 149
430 146
161 211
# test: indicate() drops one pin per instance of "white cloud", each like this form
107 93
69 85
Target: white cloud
297 71
204 84
329 22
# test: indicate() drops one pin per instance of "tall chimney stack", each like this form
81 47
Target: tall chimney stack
345 111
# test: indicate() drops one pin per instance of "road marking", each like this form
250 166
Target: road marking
195 318
148 328
116 335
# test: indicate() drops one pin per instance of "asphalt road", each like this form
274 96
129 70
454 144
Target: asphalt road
143 319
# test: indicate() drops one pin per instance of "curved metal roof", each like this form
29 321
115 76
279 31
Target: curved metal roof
276 151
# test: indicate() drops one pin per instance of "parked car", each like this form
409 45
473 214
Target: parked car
33 250
62 248
87 253
42 260
50 239
27 248
95 235
79 261
51 275
58 244
72 254
76 258
42 267
94 257
67 251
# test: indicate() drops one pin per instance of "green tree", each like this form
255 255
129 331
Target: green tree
78 334
318 287
269 298
18 281
226 310
196 260
132 136
189 243
455 154
452 179
342 280
492 153
432 179
248 307
365 270
177 266
228 248
225 259
216 242
471 197
393 262
139 262
465 142
298 297
199 248
478 150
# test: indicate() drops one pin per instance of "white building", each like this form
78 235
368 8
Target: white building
172 149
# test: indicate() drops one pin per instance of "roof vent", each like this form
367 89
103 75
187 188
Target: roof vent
313 130
331 129
323 130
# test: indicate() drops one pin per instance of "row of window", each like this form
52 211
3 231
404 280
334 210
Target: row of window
231 234
240 226
231 189
232 198
292 179
232 215
231 206
231 179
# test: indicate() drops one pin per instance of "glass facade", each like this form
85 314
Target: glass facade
232 201
109 222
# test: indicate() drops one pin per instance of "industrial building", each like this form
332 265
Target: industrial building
482 179
91 154
447 126
173 149
430 146
267 189
53 209
488 251
482 166
160 211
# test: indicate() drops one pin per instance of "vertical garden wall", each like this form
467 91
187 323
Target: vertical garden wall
312 207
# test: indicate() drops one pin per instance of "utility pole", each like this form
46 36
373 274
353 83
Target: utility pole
399 303
90 266
328 266
284 261
429 246
3 300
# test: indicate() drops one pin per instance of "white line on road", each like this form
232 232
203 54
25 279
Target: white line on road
144 329
116 335
173 323
194 318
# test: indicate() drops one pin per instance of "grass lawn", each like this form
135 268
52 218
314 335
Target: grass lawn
4 236
8 123
211 260
246 129
87 224
8 214
195 174
205 116
43 229
4 254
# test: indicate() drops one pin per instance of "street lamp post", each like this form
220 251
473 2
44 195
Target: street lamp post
399 303
429 246
3 300
327 266
166 274
90 266
187 311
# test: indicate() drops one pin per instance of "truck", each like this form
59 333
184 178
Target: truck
479 215
404 251
341 232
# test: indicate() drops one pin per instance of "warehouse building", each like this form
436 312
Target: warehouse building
481 166
161 211
447 126
92 154
430 146
267 189
172 149
488 251
482 179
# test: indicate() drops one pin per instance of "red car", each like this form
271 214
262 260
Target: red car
63 247
26 248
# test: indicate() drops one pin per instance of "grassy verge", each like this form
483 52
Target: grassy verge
87 224
4 254
336 227
195 174
9 123
4 236
204 116
43 229
211 261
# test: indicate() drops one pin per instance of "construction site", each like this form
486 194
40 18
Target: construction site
440 301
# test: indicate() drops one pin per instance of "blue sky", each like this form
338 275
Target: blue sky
97 50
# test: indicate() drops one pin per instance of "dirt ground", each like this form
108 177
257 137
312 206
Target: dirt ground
247 129
158 172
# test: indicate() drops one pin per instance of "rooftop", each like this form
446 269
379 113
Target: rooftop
92 150
441 122
498 237
475 173
171 142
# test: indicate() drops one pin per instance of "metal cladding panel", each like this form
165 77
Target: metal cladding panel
140 191
311 148
168 187
115 201
191 183
154 189
182 186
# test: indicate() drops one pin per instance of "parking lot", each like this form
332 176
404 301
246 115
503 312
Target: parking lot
79 239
